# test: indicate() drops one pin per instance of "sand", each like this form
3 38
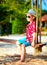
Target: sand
10 56
30 60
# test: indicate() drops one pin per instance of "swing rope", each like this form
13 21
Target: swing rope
37 21
40 17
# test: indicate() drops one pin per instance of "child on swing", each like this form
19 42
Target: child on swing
30 39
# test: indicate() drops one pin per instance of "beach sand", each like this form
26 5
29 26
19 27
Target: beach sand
30 60
10 56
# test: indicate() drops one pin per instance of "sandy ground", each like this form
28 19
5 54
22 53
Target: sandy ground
30 60
10 55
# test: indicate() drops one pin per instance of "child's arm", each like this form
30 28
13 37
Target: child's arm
34 39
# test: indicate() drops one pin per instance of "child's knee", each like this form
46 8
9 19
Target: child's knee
23 45
17 42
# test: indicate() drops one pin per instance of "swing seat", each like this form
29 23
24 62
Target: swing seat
39 45
38 48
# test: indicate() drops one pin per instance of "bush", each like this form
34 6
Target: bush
18 27
1 30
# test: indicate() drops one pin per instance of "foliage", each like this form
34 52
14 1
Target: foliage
14 12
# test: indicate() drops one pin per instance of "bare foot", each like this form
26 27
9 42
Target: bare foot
21 60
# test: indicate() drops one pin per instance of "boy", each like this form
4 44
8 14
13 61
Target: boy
30 39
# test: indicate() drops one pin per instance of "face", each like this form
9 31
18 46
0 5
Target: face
29 17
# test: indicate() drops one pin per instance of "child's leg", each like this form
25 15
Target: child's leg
19 46
23 53
22 49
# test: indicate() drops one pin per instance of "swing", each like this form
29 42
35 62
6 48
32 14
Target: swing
38 45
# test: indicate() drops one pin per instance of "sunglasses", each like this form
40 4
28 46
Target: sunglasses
28 17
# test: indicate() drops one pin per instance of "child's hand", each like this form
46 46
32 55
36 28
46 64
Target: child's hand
32 44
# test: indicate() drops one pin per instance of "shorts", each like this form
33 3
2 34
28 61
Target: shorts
23 41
